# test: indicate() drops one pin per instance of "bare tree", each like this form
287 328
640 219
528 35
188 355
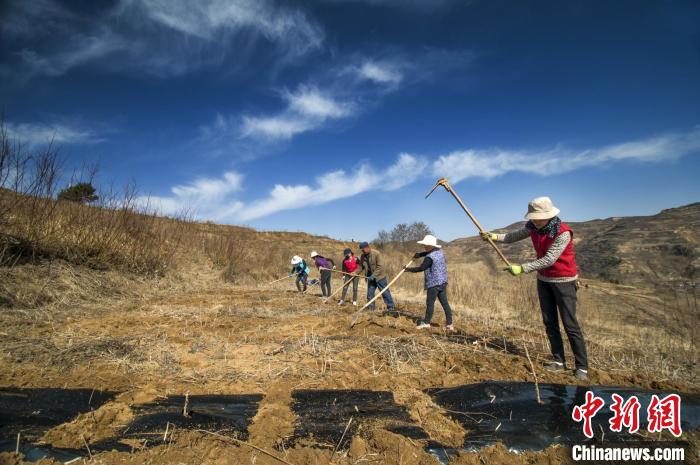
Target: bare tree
403 232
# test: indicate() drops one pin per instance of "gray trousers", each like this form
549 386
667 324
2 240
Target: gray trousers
440 293
559 300
326 283
354 285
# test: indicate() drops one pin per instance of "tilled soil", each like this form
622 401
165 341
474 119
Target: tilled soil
271 347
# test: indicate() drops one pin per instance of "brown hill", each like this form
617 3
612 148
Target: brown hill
660 249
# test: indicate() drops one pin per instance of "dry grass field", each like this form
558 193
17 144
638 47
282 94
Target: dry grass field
109 298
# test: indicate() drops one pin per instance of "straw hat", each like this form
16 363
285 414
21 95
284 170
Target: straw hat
541 208
430 240
296 260
314 254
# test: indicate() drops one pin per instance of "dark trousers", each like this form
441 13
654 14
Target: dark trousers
381 284
440 293
562 296
301 279
326 282
355 282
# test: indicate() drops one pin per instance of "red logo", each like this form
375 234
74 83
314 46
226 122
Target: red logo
626 414
587 411
665 414
662 414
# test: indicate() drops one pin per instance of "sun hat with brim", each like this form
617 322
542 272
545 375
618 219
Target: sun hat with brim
296 260
541 208
314 254
431 241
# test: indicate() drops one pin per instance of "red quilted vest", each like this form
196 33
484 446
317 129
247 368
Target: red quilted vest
565 266
351 264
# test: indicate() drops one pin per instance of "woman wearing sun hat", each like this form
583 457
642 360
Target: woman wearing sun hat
324 265
557 276
302 270
434 268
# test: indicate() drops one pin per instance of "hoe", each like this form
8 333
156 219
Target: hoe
443 182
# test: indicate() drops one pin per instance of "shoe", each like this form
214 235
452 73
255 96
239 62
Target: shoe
341 302
555 366
354 304
581 374
423 325
449 328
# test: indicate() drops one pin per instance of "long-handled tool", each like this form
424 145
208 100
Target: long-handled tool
403 270
278 280
347 283
443 182
342 272
310 284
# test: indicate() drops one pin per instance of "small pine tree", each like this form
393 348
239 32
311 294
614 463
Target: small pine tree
82 192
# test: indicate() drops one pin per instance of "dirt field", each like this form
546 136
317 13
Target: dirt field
213 338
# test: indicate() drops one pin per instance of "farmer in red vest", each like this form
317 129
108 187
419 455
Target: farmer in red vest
557 276
351 265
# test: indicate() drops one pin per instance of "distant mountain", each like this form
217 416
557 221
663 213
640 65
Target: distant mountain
658 249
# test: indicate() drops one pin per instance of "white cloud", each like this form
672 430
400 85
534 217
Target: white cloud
275 127
41 134
206 198
352 86
497 162
218 198
382 73
308 108
313 103
329 187
335 185
156 37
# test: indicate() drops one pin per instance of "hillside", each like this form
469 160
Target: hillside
139 327
661 249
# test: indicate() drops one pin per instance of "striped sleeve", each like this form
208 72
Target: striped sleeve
514 236
552 255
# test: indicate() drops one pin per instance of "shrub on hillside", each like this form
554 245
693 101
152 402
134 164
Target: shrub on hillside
83 192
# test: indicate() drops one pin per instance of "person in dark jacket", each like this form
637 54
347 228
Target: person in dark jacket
434 268
302 270
371 262
351 265
557 279
325 265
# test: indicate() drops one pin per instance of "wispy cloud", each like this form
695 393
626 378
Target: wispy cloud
336 185
380 72
40 134
219 198
206 198
495 162
351 86
156 37
308 108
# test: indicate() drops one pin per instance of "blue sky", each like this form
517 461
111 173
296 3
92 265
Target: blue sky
336 116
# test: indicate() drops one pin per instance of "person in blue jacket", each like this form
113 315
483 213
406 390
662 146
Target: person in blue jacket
435 268
302 270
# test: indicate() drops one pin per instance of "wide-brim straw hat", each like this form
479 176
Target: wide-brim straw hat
431 241
314 254
541 208
296 260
